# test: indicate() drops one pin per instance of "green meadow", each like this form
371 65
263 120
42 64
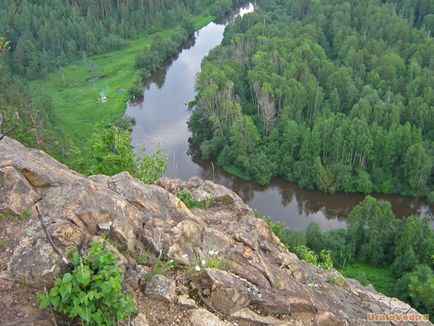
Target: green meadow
75 98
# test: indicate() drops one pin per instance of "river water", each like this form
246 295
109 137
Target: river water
161 122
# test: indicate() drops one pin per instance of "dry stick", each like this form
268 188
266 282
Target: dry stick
3 135
50 240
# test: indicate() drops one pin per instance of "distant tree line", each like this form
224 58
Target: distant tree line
376 237
332 95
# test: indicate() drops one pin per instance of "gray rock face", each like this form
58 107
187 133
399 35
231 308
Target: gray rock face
161 288
259 272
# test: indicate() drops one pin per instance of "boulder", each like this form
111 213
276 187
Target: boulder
185 302
16 193
161 288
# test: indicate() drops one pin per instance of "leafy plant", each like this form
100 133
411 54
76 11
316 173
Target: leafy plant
186 197
112 154
92 290
152 167
304 253
325 260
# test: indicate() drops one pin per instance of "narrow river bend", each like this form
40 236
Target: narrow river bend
161 122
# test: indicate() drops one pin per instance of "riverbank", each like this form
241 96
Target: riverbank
78 90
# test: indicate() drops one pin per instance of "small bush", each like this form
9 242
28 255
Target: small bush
92 290
304 253
430 197
136 91
186 197
152 167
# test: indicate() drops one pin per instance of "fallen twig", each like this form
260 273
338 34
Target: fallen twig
50 240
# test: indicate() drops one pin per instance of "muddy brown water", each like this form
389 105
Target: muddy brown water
161 122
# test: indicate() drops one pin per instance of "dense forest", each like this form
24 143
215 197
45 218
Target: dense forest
44 35
375 237
332 95
51 33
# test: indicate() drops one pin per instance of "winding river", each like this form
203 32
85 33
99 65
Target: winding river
161 122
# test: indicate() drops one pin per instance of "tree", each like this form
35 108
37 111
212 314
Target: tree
112 154
417 287
371 231
417 166
314 237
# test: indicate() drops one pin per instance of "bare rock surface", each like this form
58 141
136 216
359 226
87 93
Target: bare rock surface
161 288
260 283
185 302
201 317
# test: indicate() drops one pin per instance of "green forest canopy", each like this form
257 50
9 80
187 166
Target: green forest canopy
332 95
47 34
51 33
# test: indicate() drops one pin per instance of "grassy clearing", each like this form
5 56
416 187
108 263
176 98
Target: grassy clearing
75 98
380 277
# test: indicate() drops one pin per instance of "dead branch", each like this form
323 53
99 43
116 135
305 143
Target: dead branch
50 240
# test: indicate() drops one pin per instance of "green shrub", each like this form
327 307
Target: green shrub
92 290
304 253
186 197
152 167
112 154
136 91
430 197
290 238
325 260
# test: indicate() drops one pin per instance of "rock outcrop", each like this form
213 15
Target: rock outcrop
262 283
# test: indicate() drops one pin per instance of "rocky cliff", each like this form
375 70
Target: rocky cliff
261 282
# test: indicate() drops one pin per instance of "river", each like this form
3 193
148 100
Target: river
161 122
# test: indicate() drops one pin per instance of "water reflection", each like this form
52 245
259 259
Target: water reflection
159 76
161 121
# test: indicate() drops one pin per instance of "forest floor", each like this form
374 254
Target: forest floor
76 88
381 278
